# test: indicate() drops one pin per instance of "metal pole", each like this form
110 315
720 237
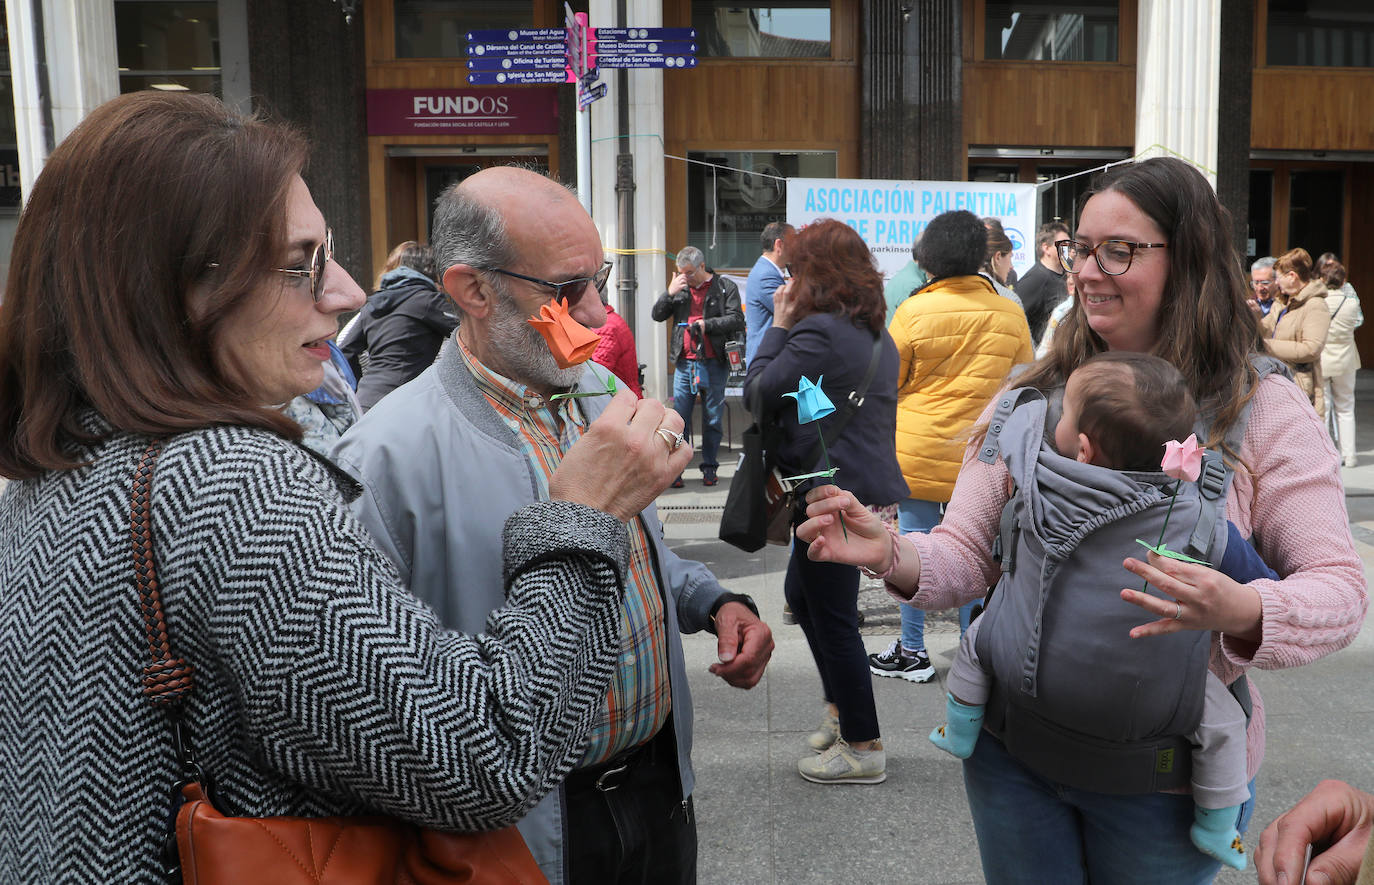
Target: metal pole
627 279
584 158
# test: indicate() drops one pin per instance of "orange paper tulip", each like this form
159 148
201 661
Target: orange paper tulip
569 341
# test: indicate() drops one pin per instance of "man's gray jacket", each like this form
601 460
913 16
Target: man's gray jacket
441 471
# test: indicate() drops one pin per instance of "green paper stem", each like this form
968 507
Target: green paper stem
819 473
826 454
1163 550
1160 545
609 391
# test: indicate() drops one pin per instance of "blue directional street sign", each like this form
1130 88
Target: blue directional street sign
620 35
650 48
586 96
499 50
646 61
515 78
514 35
518 63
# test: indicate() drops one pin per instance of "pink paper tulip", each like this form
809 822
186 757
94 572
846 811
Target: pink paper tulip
1183 460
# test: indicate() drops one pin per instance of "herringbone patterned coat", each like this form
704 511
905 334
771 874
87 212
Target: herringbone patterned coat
322 686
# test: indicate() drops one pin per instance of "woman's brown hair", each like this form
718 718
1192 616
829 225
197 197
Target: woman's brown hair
149 225
833 272
1206 331
1297 260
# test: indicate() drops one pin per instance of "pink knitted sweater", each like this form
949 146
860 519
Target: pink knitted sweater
1293 502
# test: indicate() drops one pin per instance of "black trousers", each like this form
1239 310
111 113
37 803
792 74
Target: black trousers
626 822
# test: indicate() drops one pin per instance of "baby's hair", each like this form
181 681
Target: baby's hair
1131 404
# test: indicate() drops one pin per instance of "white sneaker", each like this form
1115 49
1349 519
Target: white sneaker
825 734
842 764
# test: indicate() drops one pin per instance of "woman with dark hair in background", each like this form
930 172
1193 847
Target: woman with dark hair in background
398 332
1157 273
171 284
997 260
1295 329
826 320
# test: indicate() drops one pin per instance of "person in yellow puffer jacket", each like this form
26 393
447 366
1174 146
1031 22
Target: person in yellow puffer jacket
958 340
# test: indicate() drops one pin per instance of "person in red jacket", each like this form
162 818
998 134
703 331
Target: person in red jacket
617 348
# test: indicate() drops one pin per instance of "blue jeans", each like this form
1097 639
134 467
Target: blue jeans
710 381
1031 830
915 515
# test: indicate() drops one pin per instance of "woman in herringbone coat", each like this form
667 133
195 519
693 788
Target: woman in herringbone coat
171 278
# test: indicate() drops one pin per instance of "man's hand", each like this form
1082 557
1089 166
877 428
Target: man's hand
700 326
1335 819
678 284
743 644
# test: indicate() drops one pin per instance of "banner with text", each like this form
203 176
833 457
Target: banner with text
890 215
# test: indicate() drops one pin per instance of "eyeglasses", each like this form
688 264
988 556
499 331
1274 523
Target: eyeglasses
568 290
1113 256
323 254
1261 283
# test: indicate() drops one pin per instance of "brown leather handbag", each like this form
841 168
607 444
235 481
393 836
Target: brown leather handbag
213 849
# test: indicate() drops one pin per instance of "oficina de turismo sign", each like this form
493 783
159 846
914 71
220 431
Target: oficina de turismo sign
526 111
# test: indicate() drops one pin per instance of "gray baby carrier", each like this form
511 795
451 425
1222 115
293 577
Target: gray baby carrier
1073 697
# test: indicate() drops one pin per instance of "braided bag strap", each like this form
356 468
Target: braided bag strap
167 680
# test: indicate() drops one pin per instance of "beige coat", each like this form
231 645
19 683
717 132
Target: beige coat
1340 356
1296 334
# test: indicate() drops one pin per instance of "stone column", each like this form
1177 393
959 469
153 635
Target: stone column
1233 120
62 55
1178 80
641 132
307 66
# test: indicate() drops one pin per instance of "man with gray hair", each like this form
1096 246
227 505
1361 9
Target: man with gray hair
1262 285
444 459
705 308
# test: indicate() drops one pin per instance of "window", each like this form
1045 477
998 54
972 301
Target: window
762 28
439 28
168 45
733 195
1320 34
1044 30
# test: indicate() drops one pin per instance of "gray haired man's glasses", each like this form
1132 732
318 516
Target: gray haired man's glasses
568 291
1113 257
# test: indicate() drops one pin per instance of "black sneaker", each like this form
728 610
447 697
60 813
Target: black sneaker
708 476
677 483
896 662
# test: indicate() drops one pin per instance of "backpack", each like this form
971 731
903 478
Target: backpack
1073 697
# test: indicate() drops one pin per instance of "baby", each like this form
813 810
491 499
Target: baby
1119 409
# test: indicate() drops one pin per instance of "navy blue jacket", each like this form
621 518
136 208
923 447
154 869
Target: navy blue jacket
831 345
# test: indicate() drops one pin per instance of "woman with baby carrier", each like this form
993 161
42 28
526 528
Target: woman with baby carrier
1145 258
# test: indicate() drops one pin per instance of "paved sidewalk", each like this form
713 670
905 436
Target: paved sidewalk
759 822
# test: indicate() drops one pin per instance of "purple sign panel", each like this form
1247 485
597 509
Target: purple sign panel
531 111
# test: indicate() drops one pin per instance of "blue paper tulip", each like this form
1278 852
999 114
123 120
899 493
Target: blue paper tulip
812 403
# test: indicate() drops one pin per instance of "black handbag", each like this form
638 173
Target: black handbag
758 509
744 522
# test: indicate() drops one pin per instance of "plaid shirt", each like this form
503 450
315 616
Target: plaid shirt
638 701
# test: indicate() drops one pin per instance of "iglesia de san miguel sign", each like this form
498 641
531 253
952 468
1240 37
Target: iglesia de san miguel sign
530 110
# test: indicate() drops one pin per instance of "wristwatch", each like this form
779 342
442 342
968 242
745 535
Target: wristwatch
745 599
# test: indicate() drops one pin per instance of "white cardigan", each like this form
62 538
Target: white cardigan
1340 356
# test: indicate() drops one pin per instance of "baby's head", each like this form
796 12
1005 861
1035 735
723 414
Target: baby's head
1121 408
